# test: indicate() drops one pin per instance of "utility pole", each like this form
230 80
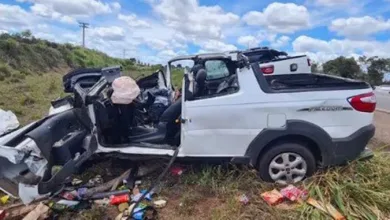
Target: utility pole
124 53
83 25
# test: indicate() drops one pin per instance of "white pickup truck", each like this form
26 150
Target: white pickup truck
284 125
278 62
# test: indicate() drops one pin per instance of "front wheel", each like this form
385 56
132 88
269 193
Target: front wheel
286 163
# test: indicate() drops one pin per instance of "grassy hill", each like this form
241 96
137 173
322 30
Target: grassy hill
31 71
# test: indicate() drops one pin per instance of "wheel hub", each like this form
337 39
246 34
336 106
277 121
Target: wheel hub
287 167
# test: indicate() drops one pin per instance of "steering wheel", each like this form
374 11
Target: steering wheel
228 84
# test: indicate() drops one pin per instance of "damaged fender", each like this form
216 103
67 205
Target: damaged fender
27 155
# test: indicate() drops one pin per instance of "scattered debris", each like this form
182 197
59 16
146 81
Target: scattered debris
108 194
107 186
39 212
160 203
293 194
243 199
81 192
102 202
272 197
115 200
3 214
4 199
123 206
176 171
97 180
68 203
76 182
328 208
68 195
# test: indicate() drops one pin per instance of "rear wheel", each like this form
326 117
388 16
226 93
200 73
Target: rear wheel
286 163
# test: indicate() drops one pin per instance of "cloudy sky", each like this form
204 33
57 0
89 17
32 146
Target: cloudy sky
156 30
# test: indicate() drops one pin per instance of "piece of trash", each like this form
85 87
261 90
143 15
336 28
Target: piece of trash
81 192
68 203
119 217
243 199
135 198
139 212
76 182
3 214
107 186
176 171
108 194
123 206
4 199
328 208
160 203
272 197
102 202
40 211
292 193
97 180
115 200
68 196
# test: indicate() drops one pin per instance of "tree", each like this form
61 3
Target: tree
342 66
26 34
314 68
376 68
179 66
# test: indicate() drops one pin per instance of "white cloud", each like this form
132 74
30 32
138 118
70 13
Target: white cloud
322 50
132 20
248 41
115 6
167 53
14 17
332 3
3 31
193 20
113 33
356 27
215 46
76 7
45 11
156 44
280 17
280 42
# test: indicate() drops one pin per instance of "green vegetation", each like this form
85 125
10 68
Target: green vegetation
350 68
31 71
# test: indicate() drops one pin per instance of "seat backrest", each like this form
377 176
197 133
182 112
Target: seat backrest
200 85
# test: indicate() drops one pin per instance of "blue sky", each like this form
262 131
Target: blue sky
156 30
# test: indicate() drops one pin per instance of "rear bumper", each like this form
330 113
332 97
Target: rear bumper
349 148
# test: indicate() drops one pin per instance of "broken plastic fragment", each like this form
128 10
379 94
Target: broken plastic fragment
4 199
160 203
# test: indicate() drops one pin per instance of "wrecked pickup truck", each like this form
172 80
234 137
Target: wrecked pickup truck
286 126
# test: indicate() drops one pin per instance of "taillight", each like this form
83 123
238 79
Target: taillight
267 69
308 62
364 102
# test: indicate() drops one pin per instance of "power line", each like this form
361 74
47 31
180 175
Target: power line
84 26
124 53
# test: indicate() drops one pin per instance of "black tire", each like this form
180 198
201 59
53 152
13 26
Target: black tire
278 148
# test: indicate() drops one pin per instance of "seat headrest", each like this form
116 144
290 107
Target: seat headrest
201 75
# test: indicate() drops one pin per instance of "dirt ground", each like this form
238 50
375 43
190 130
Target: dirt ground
382 124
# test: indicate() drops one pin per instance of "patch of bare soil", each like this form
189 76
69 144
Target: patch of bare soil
382 133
